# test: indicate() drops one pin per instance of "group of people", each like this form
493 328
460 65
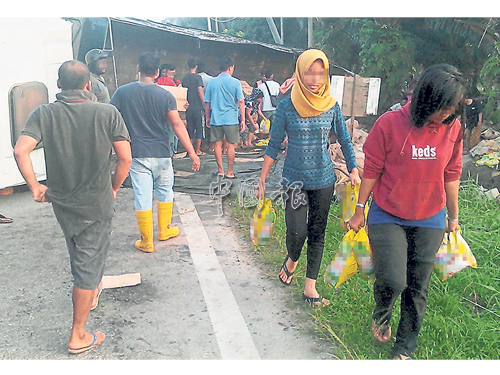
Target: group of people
213 111
412 169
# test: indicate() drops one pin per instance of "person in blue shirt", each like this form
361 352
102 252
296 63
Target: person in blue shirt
225 114
307 118
150 115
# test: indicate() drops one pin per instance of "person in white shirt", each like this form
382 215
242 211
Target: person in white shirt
269 88
204 76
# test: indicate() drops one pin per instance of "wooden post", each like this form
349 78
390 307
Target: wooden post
310 37
350 128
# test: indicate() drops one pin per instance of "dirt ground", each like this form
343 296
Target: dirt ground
174 314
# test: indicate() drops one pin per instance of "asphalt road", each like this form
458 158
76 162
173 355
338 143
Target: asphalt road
202 295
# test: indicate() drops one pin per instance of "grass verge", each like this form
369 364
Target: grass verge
462 320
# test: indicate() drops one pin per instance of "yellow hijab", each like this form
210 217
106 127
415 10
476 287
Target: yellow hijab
306 102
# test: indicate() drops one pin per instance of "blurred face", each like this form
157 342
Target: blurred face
314 77
164 72
101 66
443 113
171 73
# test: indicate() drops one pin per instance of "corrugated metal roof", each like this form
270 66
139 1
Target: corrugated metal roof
202 34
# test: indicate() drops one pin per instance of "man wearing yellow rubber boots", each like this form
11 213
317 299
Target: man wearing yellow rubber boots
150 114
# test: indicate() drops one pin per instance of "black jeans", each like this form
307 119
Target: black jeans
308 220
403 260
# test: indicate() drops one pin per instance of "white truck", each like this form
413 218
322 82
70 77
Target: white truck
31 50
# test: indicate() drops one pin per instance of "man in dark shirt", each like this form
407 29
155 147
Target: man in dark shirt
78 134
150 114
473 123
96 60
195 97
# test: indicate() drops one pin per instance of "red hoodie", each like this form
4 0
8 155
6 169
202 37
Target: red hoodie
412 164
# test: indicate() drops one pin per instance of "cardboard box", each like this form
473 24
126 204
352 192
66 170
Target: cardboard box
180 94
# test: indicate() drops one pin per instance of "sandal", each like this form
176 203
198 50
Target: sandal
381 332
288 273
99 291
316 301
5 220
93 344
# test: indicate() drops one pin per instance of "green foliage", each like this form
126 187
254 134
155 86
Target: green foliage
388 53
394 49
490 84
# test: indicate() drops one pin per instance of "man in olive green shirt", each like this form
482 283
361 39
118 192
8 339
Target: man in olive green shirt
78 135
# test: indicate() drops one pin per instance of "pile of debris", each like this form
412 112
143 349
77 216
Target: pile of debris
482 163
358 139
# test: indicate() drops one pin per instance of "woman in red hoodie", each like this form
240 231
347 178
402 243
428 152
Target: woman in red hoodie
413 163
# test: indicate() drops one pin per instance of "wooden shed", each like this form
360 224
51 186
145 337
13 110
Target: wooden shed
129 37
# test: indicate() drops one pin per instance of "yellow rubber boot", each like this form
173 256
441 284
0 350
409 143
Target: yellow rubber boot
164 220
145 223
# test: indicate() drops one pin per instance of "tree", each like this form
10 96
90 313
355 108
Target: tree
490 85
394 49
387 52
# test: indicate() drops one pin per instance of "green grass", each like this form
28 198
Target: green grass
462 320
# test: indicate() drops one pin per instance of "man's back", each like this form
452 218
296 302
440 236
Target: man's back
192 81
223 93
78 136
274 88
205 78
144 108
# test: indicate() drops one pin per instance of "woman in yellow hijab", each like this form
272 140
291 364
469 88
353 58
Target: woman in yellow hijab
311 91
307 118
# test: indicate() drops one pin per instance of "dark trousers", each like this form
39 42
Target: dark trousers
403 260
307 220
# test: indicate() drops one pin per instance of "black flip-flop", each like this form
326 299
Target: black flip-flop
313 301
231 177
288 273
5 220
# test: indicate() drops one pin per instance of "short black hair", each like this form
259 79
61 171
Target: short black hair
149 63
439 86
201 67
225 63
192 63
268 73
73 75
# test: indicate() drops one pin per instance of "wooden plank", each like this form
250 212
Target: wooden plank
130 279
360 96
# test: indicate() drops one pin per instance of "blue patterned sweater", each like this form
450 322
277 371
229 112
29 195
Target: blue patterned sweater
307 159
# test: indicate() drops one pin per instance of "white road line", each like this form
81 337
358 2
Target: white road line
231 331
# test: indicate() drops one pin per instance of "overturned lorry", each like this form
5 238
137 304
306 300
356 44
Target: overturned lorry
32 50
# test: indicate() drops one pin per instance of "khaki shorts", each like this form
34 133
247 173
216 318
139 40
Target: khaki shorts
231 132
